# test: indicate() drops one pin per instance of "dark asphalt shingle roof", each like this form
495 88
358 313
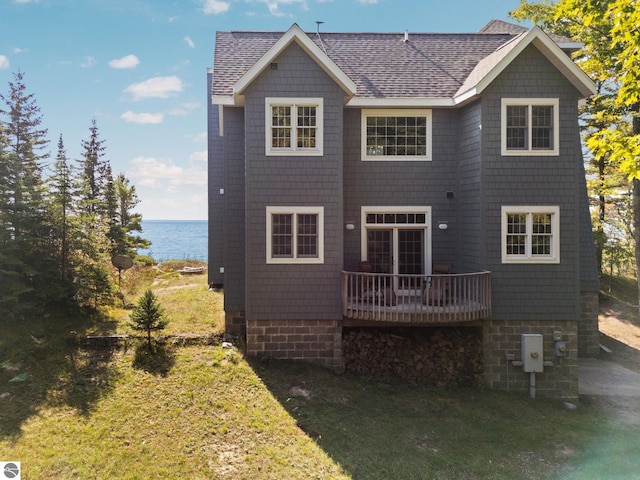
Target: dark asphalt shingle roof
428 65
382 65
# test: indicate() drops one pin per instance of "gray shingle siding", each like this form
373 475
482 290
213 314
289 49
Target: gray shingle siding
468 194
545 291
293 291
234 209
403 183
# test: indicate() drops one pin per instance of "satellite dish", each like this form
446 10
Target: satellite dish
121 262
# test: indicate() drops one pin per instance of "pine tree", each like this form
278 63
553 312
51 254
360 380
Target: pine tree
93 283
62 214
127 221
148 315
28 252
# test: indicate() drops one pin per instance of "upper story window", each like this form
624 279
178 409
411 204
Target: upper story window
530 126
295 234
396 134
293 126
530 234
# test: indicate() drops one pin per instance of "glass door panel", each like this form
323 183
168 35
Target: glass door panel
410 256
380 250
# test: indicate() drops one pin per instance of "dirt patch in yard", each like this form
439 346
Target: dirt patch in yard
619 326
620 332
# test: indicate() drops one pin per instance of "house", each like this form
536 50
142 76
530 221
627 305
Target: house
424 181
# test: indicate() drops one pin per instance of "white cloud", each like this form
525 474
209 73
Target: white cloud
128 61
167 190
184 109
164 173
274 5
214 7
200 137
199 156
4 62
144 118
189 42
88 63
19 50
157 87
368 2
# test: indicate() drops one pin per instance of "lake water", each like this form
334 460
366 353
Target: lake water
175 239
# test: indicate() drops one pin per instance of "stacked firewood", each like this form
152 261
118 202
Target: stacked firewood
442 357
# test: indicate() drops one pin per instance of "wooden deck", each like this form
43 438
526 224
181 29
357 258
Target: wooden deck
416 299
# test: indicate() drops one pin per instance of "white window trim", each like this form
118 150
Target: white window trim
278 210
387 112
293 103
553 102
555 234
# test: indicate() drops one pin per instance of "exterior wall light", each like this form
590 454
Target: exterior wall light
350 226
443 225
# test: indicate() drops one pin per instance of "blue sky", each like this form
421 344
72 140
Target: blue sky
139 68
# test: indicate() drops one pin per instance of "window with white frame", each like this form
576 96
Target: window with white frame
295 234
294 126
396 134
531 234
530 126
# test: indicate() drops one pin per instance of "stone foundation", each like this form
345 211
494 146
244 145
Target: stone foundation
314 341
503 338
235 323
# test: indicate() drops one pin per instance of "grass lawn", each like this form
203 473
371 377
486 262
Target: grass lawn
207 412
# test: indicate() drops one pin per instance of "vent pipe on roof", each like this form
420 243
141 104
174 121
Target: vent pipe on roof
318 23
406 36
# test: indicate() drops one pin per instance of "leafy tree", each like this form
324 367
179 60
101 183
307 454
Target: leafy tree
611 56
148 315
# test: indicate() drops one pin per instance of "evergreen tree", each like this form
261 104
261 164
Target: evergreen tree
28 252
93 283
62 214
127 220
148 315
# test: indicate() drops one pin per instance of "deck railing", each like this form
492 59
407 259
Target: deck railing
423 299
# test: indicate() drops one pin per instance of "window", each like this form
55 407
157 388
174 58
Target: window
293 126
396 135
530 234
295 234
530 126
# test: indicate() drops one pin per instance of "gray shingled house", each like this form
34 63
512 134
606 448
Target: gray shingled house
423 181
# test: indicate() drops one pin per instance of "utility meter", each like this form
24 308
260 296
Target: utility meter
532 358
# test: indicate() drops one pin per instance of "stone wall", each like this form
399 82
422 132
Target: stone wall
314 341
235 323
502 341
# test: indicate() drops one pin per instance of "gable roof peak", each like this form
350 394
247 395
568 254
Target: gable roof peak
296 34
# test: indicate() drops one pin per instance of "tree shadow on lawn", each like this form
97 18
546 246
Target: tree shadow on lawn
381 428
157 360
43 363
